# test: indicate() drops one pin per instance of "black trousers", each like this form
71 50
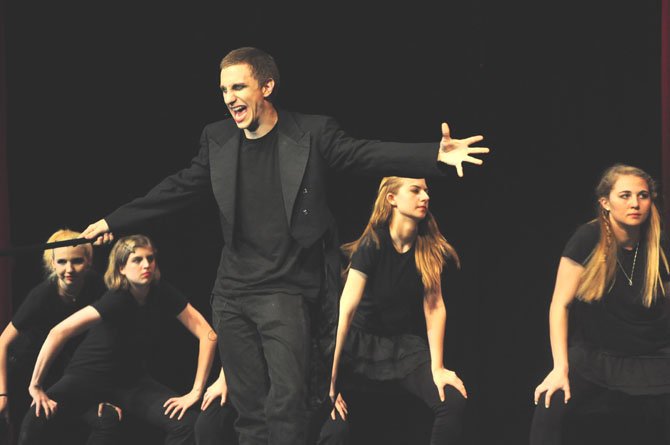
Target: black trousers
448 415
547 427
215 426
144 400
264 348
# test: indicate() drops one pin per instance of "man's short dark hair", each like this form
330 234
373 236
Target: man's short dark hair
263 66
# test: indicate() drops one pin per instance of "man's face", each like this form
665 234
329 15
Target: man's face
244 97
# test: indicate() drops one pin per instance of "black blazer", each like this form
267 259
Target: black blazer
308 145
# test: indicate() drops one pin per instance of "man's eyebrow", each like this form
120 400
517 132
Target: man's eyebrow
238 84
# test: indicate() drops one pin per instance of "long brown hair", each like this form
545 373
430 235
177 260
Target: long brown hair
600 270
431 249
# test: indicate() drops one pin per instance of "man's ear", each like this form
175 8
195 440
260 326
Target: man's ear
268 88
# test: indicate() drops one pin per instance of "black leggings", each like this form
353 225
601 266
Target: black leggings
143 400
547 425
448 420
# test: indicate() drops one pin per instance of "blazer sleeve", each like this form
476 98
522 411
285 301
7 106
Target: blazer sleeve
373 157
172 194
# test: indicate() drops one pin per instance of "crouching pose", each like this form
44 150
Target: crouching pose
109 364
393 282
613 278
70 285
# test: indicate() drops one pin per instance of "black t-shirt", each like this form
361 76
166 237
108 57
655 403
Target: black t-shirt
619 322
392 303
43 309
115 350
263 258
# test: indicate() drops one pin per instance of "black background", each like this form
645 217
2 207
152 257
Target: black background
105 99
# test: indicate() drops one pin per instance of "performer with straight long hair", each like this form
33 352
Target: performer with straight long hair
392 314
613 278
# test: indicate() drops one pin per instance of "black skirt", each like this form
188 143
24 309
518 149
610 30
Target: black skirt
634 375
383 357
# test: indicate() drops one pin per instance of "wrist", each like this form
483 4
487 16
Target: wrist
435 367
561 367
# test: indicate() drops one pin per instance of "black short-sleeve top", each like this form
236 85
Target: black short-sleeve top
619 322
392 302
115 350
43 309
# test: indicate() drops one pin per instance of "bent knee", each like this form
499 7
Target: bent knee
453 401
182 427
108 419
557 399
334 432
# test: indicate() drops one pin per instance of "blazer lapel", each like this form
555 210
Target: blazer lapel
293 149
223 170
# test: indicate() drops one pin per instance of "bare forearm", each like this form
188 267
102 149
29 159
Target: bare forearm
3 369
351 297
343 325
435 324
221 379
9 334
50 349
206 352
558 334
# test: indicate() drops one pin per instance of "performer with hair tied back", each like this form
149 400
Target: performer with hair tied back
392 315
70 285
613 278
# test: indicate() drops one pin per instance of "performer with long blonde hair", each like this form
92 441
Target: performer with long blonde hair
393 283
613 278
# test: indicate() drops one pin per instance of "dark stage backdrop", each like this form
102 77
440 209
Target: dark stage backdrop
665 100
5 270
104 100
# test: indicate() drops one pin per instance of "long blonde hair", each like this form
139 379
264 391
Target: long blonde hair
431 249
600 270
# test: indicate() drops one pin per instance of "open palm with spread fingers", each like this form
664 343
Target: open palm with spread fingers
456 151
